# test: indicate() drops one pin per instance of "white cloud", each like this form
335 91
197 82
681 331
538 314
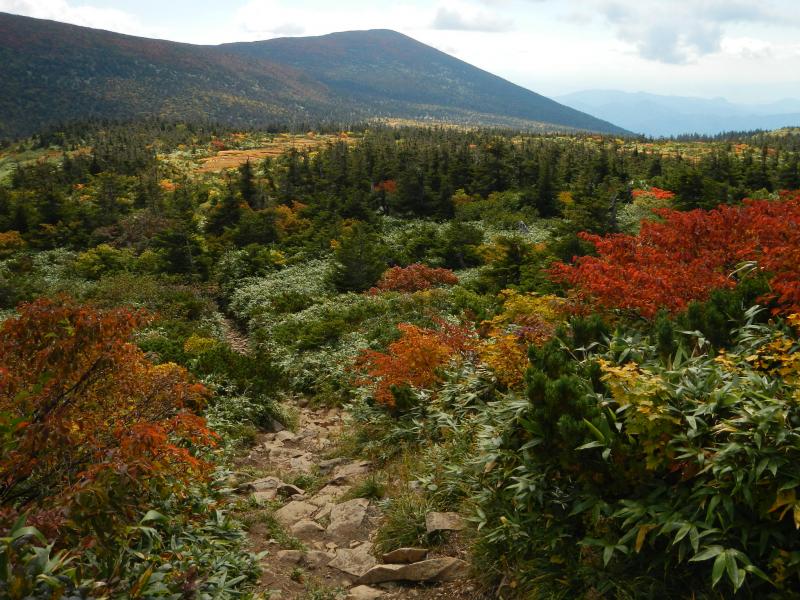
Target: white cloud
457 20
111 19
465 17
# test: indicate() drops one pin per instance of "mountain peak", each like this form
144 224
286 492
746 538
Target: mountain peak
53 72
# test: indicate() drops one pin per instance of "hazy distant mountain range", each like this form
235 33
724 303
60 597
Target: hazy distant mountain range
657 116
53 73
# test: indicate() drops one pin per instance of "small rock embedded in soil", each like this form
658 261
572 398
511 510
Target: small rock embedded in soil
364 592
289 556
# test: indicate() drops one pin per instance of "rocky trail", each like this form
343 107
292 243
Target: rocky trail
320 538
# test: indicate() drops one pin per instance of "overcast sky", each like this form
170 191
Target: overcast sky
744 51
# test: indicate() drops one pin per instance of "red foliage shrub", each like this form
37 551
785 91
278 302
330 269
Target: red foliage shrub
412 360
414 278
690 254
654 192
388 186
81 406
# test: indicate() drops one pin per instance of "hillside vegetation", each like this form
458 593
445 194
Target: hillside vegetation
213 380
54 73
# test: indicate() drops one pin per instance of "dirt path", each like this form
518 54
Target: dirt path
304 511
304 508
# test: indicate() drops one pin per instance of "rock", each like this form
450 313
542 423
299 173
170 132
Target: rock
276 426
287 489
289 556
274 594
331 546
285 436
293 512
346 518
443 521
277 454
329 494
306 528
265 496
302 464
355 561
327 465
262 485
405 556
364 592
324 512
316 559
435 569
350 472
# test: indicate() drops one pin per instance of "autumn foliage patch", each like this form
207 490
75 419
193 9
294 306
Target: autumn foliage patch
688 254
414 278
413 360
88 426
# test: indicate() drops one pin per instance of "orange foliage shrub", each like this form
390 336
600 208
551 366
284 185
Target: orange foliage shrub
690 254
526 319
413 360
10 242
414 278
82 411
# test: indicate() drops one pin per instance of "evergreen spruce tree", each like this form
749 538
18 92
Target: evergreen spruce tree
359 260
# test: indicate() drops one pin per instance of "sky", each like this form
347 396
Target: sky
745 51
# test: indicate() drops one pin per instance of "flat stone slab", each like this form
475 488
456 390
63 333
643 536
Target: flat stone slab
346 518
293 512
433 570
354 561
444 521
364 592
306 528
349 473
405 556
317 559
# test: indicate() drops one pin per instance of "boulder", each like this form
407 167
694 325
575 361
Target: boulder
354 561
405 556
293 512
443 521
433 570
346 519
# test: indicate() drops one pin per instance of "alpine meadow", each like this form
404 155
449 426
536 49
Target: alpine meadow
293 312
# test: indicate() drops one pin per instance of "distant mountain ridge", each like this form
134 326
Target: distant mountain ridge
662 116
54 72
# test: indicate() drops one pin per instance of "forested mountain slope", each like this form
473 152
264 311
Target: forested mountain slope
54 73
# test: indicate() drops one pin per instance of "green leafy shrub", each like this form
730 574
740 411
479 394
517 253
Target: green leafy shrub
663 476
